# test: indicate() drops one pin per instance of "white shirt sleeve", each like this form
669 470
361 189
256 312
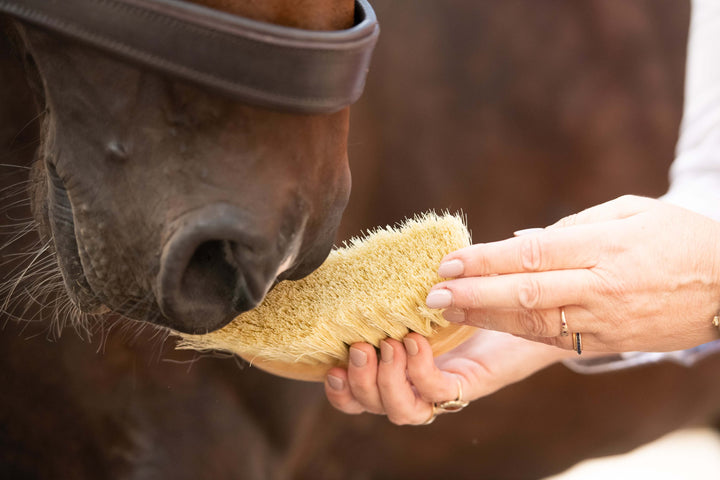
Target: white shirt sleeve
695 173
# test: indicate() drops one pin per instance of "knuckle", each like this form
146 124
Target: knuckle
429 395
467 295
478 318
568 221
627 199
533 324
610 287
480 263
529 294
531 253
385 383
366 396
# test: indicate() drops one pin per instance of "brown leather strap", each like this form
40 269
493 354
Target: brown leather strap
257 62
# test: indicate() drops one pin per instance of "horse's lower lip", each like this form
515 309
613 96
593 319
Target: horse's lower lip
67 251
285 266
284 271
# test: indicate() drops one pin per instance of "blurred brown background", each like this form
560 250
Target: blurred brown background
517 112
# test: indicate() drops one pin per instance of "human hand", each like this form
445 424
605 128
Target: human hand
632 274
405 382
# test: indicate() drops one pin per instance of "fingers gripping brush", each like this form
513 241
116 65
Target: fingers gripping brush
372 288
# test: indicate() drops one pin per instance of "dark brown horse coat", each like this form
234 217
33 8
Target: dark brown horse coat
518 113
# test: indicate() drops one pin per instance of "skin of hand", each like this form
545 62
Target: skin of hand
406 379
632 274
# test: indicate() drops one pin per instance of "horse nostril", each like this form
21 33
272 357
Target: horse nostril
208 277
203 285
213 275
215 265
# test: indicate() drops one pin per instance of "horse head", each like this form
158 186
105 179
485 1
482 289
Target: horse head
179 198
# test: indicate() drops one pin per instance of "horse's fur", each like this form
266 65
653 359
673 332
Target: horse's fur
516 111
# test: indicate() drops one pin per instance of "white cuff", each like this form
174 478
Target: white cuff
620 361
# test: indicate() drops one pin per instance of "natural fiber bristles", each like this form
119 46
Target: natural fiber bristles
372 288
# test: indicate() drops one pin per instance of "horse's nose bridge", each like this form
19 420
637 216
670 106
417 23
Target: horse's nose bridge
216 263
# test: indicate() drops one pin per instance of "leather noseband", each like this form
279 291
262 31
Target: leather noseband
260 63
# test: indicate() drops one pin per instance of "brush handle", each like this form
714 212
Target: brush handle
441 342
450 337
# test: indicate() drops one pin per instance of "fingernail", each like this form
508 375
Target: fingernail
526 231
336 383
386 352
440 298
451 268
357 357
411 346
454 315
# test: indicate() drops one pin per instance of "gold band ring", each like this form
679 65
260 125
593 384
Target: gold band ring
452 406
449 406
433 415
563 323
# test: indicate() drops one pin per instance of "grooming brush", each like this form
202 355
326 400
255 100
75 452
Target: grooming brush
371 288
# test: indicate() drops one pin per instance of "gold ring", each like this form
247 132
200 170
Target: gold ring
563 323
577 343
432 417
716 321
448 406
451 406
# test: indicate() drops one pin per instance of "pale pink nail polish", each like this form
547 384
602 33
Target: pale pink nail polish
451 268
440 298
411 346
336 383
357 357
386 352
454 315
